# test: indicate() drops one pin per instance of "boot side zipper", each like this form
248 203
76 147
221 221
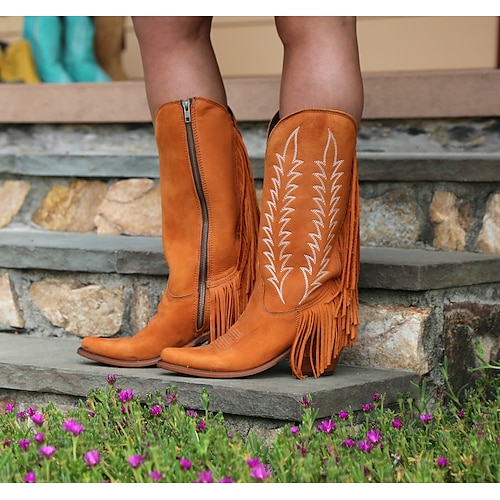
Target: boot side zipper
202 276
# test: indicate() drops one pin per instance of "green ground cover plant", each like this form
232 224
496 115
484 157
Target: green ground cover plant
117 436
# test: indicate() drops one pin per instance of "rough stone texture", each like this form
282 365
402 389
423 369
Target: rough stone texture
390 336
142 308
466 324
450 231
132 207
71 208
390 220
12 196
489 237
10 315
81 310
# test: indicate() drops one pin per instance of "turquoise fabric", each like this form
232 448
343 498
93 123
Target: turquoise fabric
45 35
78 52
63 48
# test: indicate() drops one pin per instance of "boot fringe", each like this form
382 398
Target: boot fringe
249 223
228 301
225 306
325 329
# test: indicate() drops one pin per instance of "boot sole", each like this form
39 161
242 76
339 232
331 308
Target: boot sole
117 362
196 372
139 363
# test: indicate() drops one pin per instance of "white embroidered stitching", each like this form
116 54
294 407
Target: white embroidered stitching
321 218
278 277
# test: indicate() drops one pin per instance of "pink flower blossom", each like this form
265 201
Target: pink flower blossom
397 424
92 458
205 477
126 395
24 443
135 461
37 419
155 475
185 463
47 451
30 477
73 426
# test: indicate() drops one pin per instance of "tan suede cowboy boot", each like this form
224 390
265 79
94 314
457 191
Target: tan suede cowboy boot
210 224
305 302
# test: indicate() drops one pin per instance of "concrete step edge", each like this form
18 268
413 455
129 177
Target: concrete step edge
51 366
381 267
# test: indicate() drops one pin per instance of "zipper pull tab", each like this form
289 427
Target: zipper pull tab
186 106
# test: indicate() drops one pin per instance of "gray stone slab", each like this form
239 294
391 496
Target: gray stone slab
390 167
417 269
52 366
429 167
387 268
79 252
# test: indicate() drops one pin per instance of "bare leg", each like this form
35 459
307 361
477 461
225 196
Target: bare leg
178 59
320 65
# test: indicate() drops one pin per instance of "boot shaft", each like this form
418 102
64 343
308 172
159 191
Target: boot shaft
205 186
307 186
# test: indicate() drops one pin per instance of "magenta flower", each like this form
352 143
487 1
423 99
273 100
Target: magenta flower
135 461
92 458
294 429
73 426
22 415
37 418
39 437
205 477
24 443
426 418
30 477
365 446
226 480
442 462
306 402
201 426
326 426
9 407
185 463
461 414
260 472
171 398
111 379
375 396
253 461
367 407
126 395
155 475
397 424
47 451
343 415
31 411
348 443
155 410
374 436
191 413
230 435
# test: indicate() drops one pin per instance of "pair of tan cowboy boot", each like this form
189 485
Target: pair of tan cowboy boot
252 291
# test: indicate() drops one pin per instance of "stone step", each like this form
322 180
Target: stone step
35 371
413 302
431 183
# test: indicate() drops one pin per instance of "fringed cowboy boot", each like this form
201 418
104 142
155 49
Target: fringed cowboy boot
304 306
210 224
